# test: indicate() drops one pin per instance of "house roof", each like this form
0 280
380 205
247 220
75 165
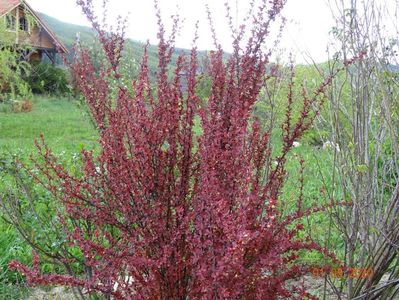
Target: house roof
8 5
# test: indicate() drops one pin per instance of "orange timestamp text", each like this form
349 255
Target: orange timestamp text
342 272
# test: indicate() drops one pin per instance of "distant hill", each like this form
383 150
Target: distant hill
67 32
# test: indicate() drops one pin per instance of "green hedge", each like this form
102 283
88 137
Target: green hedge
48 79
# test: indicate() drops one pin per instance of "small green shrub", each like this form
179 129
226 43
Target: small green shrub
48 79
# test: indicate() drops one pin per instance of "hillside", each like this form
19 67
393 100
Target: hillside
67 34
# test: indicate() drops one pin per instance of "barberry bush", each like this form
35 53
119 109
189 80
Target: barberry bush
165 212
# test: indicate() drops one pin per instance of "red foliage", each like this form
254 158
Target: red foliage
163 214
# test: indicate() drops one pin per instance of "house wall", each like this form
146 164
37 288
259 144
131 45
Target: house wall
36 36
40 38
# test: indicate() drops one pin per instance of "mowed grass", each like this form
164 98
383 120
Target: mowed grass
64 125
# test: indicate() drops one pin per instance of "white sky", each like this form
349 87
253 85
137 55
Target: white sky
306 32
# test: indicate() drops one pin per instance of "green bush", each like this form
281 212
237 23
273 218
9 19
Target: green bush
12 69
48 79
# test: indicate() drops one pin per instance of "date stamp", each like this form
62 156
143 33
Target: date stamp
342 272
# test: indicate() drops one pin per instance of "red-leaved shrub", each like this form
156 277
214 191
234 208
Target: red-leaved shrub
165 213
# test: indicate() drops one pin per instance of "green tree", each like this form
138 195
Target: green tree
12 66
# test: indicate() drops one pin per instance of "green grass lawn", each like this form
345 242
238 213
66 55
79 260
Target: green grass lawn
63 124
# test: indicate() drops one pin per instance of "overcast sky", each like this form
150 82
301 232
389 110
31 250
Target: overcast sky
306 33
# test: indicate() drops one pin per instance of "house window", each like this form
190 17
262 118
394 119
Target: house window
10 22
23 24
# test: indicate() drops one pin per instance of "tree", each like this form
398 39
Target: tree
12 68
362 117
165 212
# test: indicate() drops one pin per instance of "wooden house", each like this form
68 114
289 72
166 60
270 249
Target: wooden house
24 24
